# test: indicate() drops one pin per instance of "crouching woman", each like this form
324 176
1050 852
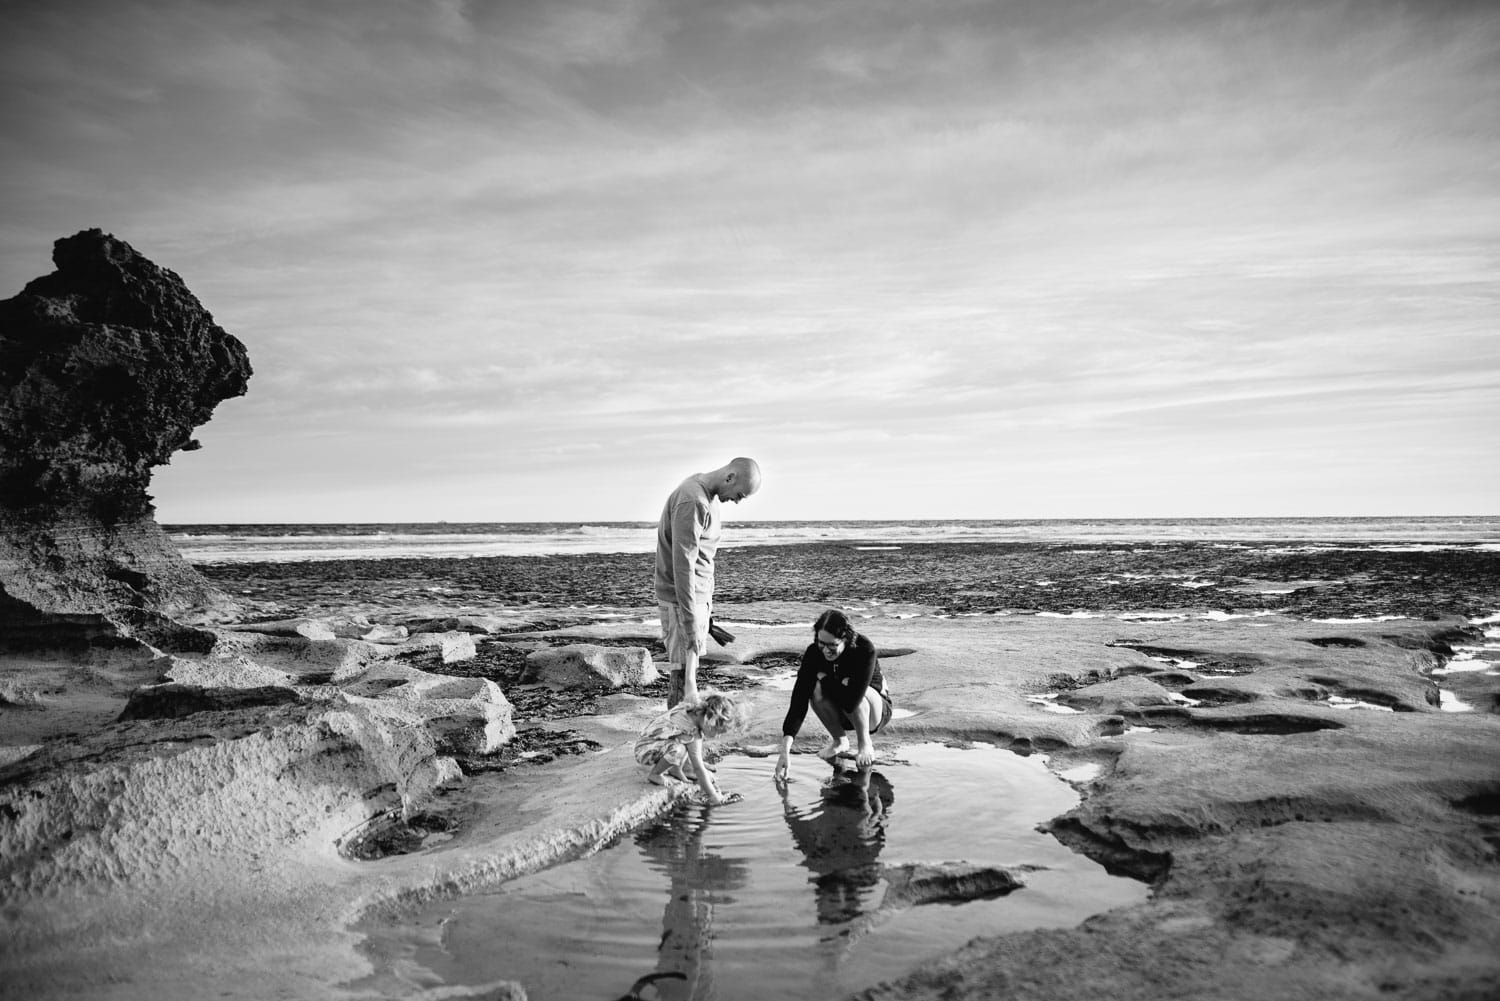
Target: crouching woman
840 679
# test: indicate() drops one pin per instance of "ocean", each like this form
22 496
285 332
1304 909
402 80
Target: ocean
218 544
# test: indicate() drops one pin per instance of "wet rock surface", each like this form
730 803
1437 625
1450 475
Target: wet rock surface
1312 821
924 883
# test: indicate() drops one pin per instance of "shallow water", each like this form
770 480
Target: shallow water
780 895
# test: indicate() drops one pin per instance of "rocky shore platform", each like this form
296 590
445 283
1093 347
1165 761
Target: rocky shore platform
217 781
1261 734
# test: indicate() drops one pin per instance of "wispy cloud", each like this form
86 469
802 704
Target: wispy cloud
522 245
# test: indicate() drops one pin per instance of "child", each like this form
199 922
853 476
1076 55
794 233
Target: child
676 737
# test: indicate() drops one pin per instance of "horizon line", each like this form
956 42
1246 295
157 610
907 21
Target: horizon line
925 520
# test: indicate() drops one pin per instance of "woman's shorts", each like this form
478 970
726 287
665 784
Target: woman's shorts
885 715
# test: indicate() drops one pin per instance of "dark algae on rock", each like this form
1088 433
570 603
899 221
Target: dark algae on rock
953 578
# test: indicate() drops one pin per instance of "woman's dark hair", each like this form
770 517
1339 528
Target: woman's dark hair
836 624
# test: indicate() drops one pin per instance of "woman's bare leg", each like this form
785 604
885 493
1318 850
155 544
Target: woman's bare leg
828 715
866 715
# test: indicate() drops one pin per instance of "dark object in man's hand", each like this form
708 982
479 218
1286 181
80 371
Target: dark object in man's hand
721 636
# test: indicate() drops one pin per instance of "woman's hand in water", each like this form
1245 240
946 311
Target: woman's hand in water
779 776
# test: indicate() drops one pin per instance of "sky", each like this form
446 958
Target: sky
539 261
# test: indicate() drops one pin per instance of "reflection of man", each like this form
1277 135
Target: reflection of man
841 839
699 880
687 537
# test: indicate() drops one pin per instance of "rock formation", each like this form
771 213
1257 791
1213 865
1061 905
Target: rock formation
107 366
587 665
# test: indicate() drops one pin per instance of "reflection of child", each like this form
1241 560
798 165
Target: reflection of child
676 737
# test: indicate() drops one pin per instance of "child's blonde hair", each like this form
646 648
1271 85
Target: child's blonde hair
719 708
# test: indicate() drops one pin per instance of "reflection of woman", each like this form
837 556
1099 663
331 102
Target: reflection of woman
841 838
840 679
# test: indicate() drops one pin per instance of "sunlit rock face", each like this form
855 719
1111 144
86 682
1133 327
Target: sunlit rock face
107 366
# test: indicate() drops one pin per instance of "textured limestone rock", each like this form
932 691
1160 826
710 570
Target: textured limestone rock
585 665
947 882
1116 696
174 700
480 624
448 647
466 716
226 670
385 634
313 629
48 694
307 660
156 800
107 366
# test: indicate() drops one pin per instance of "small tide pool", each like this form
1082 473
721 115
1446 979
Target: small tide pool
790 893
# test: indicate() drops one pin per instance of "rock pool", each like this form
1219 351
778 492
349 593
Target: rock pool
803 892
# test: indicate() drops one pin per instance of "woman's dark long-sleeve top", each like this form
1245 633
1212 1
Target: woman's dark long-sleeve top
856 669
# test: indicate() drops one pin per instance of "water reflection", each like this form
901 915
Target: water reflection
700 880
724 896
841 837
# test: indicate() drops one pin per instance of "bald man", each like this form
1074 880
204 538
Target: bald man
687 536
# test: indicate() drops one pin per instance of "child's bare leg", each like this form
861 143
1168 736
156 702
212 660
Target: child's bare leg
664 772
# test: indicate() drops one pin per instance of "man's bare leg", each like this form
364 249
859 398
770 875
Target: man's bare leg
682 686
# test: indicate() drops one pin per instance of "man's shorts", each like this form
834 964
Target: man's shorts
676 638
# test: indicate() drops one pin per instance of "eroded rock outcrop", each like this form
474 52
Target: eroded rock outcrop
107 366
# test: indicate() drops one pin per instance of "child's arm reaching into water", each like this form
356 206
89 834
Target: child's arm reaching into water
705 777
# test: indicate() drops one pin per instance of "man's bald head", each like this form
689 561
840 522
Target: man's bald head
736 480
